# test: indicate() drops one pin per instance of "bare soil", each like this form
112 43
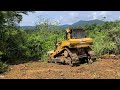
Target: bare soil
101 69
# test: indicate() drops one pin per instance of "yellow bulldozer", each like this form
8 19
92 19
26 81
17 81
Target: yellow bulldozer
76 48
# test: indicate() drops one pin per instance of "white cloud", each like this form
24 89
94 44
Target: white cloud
99 14
111 19
61 18
94 15
103 13
68 18
40 12
73 14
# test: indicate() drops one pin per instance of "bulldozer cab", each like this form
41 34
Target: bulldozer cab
75 33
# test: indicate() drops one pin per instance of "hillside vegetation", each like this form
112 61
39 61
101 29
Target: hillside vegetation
17 44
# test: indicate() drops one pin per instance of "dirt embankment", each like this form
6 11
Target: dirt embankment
101 69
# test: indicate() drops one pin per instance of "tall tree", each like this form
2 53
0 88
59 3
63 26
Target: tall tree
8 22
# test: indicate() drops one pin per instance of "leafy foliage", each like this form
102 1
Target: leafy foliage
106 37
12 39
3 67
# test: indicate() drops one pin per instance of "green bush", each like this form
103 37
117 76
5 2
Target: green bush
102 44
1 55
3 67
106 37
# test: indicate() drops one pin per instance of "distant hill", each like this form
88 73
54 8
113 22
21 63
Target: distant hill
28 27
64 26
80 23
83 23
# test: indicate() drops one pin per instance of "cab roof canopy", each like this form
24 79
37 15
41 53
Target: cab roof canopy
77 29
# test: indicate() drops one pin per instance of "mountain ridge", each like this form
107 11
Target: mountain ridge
80 23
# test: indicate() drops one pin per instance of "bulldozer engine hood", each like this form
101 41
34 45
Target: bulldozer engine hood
81 41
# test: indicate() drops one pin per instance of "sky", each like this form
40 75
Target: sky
67 17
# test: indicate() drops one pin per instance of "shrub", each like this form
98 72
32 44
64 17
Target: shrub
3 67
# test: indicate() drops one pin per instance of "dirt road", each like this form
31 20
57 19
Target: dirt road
101 69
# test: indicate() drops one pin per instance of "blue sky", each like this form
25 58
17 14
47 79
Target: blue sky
68 17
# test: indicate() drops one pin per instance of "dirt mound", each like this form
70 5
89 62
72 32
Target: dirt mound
110 56
101 69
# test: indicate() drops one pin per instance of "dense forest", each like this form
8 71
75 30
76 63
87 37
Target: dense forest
17 44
